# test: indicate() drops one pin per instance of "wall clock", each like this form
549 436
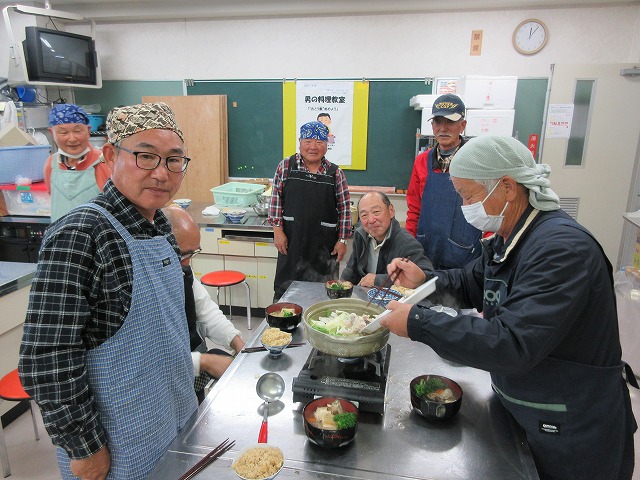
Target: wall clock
530 36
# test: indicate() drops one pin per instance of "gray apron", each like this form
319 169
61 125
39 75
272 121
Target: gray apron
142 377
71 188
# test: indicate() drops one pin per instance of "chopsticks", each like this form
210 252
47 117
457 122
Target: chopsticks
209 458
384 284
260 349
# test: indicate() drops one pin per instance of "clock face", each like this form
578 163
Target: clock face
530 36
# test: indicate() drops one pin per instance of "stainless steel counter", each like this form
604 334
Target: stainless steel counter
15 275
481 442
251 221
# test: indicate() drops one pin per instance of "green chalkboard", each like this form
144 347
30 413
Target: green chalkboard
255 121
255 129
115 93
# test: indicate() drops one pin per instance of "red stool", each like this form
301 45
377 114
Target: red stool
228 278
11 389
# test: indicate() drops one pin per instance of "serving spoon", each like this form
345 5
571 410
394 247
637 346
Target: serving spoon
270 388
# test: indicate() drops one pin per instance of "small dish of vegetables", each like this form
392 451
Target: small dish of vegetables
339 289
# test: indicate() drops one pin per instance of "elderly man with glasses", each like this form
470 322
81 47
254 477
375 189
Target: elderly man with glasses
105 351
204 317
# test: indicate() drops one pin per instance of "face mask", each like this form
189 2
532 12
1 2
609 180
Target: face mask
477 216
74 155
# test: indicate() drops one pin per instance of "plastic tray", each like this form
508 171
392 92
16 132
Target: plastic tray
237 194
25 162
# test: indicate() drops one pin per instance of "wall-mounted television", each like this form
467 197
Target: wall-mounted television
57 57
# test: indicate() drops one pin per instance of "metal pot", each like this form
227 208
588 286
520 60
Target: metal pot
262 209
345 347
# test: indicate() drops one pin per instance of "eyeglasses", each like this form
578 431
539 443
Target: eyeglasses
150 161
188 255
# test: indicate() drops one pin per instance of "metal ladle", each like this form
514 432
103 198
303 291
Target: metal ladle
270 388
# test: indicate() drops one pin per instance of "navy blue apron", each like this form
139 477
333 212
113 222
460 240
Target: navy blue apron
448 240
564 406
310 222
142 377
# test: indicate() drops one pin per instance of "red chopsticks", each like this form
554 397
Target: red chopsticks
208 459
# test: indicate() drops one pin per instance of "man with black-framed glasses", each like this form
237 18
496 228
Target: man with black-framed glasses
105 350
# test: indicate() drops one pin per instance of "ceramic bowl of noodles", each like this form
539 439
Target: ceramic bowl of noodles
435 397
234 215
285 316
275 341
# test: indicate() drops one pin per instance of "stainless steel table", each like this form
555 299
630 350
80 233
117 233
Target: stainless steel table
481 442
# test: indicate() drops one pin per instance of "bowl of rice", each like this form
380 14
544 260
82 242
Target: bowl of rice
258 462
275 341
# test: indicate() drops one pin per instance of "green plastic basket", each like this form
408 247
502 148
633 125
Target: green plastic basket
237 194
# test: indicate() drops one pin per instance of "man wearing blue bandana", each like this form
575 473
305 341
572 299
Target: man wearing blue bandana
310 212
549 328
75 173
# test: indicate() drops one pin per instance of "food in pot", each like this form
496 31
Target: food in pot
259 462
275 337
340 285
341 323
434 389
333 417
285 312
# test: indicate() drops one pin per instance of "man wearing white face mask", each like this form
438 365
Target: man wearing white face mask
549 332
75 173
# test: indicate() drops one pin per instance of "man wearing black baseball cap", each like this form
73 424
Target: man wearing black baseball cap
434 215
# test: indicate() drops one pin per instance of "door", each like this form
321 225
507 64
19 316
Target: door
596 164
203 120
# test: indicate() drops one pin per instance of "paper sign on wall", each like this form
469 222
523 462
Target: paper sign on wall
442 86
490 92
559 118
341 105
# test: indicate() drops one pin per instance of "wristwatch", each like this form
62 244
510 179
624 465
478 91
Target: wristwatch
342 240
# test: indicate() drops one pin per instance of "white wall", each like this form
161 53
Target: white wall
372 46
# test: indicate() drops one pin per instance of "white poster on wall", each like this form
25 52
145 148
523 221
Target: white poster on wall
329 102
559 120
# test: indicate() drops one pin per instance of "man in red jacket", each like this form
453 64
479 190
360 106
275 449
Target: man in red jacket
434 216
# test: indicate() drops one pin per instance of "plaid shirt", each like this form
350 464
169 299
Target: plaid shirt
343 200
80 296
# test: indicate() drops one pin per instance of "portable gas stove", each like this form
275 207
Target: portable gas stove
360 379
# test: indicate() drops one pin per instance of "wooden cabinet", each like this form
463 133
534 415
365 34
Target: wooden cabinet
203 120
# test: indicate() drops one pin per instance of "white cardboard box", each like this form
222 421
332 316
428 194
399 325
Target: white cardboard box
489 122
421 102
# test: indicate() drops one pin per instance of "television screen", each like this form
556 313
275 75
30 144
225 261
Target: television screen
59 57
